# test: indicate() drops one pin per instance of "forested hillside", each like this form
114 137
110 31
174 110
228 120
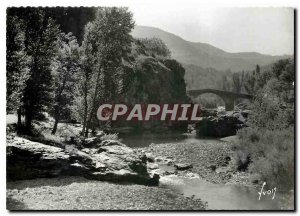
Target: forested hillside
205 55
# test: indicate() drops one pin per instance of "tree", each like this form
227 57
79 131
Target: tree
236 82
17 60
41 34
155 46
270 131
257 70
226 85
86 78
250 82
107 41
65 66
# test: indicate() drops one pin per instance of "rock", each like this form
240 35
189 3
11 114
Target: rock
209 112
150 157
142 156
192 175
183 166
77 169
28 160
154 180
212 167
90 142
159 159
116 149
100 134
227 159
152 166
170 162
83 157
245 113
164 160
111 143
221 170
168 172
220 126
75 140
86 150
229 176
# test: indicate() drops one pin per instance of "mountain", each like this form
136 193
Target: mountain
203 54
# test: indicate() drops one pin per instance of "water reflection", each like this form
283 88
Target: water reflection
145 139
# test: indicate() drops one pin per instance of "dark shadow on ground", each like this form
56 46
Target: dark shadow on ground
13 204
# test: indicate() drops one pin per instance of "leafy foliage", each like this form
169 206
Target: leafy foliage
17 60
65 68
270 138
272 153
40 44
107 42
156 46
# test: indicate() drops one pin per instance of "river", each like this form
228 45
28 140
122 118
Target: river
217 196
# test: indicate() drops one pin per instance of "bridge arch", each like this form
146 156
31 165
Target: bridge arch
228 97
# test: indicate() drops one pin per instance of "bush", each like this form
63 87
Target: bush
269 139
272 154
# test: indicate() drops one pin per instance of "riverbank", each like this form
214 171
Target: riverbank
197 187
76 193
207 167
213 160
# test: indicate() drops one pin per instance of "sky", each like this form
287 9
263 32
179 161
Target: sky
263 30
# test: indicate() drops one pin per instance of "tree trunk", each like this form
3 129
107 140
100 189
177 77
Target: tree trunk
19 118
93 107
86 132
85 107
55 126
28 120
84 115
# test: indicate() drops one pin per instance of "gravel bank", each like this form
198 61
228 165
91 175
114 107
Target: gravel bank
212 160
75 193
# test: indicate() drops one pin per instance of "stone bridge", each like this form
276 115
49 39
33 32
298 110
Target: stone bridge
228 97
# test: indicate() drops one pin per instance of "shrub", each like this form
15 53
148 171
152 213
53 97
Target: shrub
272 154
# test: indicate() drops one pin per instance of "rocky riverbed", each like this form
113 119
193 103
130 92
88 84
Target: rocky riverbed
213 160
40 177
77 193
103 162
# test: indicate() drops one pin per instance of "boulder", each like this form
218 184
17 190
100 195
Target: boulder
183 166
220 126
27 160
90 142
150 157
113 161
